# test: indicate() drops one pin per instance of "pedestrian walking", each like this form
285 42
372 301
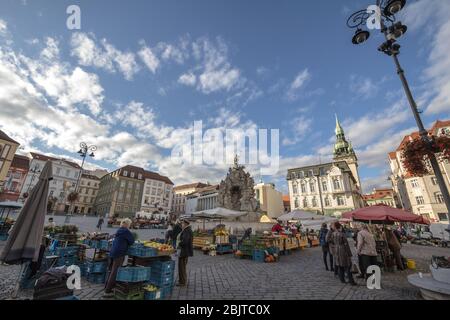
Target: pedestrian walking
395 247
122 241
332 248
366 250
325 247
185 250
100 223
343 255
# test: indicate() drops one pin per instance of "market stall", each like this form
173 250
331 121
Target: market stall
5 222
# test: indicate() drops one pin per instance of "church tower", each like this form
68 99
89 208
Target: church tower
343 151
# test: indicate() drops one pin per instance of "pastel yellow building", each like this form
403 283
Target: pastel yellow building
270 200
8 148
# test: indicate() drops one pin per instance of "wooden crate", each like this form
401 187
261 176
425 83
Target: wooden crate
201 241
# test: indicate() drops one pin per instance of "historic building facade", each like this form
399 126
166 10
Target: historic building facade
180 193
8 148
121 192
15 178
87 192
270 201
203 199
381 196
157 195
421 195
330 188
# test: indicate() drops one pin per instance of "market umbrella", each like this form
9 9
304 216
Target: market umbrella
384 214
26 235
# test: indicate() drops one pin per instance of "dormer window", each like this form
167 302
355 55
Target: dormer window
139 176
125 173
132 174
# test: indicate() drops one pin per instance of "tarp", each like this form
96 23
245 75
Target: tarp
219 213
384 213
299 215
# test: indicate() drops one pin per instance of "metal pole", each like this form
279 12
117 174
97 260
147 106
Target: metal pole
320 194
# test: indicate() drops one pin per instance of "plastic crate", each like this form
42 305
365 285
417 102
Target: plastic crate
104 245
96 267
133 296
69 298
67 261
3 237
224 249
142 251
96 277
153 295
133 274
163 267
162 280
166 292
67 251
259 255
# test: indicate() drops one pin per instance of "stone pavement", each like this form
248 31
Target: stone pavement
297 276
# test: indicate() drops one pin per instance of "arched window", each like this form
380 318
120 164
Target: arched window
336 184
312 186
296 204
294 188
305 203
327 202
314 202
324 185
303 186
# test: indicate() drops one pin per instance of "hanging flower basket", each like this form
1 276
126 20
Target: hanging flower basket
416 153
73 196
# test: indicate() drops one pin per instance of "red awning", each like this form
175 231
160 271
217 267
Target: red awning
384 213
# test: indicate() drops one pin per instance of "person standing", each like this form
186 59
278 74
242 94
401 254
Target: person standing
343 255
325 247
394 246
186 250
175 232
100 223
366 250
122 241
332 248
277 228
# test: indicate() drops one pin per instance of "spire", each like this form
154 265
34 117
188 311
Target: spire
339 129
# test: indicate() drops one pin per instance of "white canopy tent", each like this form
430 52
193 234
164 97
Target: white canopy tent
218 213
299 215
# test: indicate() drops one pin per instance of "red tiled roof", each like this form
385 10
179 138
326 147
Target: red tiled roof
157 176
89 176
378 194
20 162
145 174
42 157
437 125
5 137
393 155
286 198
440 124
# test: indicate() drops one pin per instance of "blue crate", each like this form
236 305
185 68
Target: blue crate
133 274
67 251
104 245
166 292
142 251
162 280
94 244
87 242
258 255
224 248
153 295
69 298
66 261
163 266
96 277
96 266
273 250
3 237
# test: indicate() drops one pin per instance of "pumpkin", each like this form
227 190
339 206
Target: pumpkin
267 259
238 253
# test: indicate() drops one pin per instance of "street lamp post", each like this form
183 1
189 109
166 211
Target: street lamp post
85 149
392 30
35 171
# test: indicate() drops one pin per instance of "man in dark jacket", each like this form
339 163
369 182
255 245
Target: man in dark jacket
186 250
175 232
122 240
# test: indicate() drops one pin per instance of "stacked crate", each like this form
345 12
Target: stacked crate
67 256
131 281
95 271
163 276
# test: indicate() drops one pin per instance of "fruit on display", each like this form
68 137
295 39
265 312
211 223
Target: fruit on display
270 258
158 246
151 288
238 253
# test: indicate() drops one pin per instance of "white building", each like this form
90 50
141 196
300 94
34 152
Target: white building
65 176
420 194
157 194
331 188
269 199
202 199
180 193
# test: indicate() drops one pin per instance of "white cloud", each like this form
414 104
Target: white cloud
363 87
3 27
431 16
297 128
379 182
188 79
106 56
297 85
149 58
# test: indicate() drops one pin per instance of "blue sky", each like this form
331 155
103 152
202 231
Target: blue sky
138 73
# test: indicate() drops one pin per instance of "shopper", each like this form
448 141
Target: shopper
343 255
332 247
277 228
175 232
395 247
122 240
169 233
186 250
366 250
325 246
